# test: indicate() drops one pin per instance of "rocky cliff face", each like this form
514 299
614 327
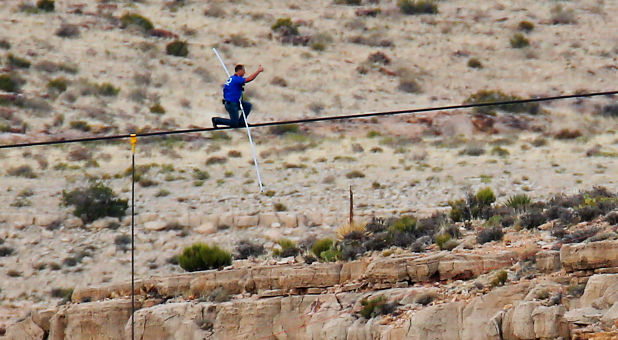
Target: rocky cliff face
446 295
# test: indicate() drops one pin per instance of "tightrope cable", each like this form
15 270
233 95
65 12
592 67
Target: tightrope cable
314 120
133 142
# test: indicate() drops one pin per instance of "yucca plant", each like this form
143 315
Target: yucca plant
518 202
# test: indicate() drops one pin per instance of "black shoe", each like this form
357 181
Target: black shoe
214 124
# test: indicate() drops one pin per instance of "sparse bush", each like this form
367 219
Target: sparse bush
200 175
348 2
58 85
576 290
218 295
278 81
22 171
525 26
472 150
132 19
108 90
95 202
499 151
201 256
320 41
288 248
412 7
610 110
80 125
376 307
320 246
6 251
285 129
374 40
473 206
80 153
355 174
285 27
612 218
560 16
489 234
70 261
5 44
246 249
491 96
532 219
379 58
519 41
46 5
408 84
177 48
13 273
8 83
216 160
500 279
568 134
68 31
474 63
18 61
122 241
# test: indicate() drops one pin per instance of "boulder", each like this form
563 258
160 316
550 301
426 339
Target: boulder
225 220
174 321
440 322
73 222
548 261
288 220
42 317
549 322
518 322
593 255
583 316
244 222
155 225
268 219
207 228
598 285
25 330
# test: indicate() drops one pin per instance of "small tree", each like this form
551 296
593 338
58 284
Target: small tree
95 202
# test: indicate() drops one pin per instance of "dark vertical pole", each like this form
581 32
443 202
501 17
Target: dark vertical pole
133 141
351 206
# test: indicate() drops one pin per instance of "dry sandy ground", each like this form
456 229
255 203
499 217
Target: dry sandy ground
414 176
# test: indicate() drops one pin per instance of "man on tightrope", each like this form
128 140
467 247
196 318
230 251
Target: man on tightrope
232 93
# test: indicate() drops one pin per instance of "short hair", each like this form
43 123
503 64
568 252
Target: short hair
238 67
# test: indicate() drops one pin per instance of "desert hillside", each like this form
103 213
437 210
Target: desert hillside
535 177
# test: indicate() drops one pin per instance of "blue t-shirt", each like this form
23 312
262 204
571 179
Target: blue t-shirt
233 87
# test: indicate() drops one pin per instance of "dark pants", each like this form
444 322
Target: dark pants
233 108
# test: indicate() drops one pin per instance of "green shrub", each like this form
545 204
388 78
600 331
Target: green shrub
132 19
331 255
411 7
80 125
201 256
474 63
442 239
518 202
8 83
157 109
177 48
22 171
485 196
280 207
107 89
200 175
45 5
519 41
376 307
500 279
525 26
500 151
405 224
285 27
320 246
94 202
489 234
491 96
58 84
18 62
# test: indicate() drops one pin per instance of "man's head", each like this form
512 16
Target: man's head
239 70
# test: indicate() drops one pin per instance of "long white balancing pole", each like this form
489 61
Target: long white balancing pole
244 117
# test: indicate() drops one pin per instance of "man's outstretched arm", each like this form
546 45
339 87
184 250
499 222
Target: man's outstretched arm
254 75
